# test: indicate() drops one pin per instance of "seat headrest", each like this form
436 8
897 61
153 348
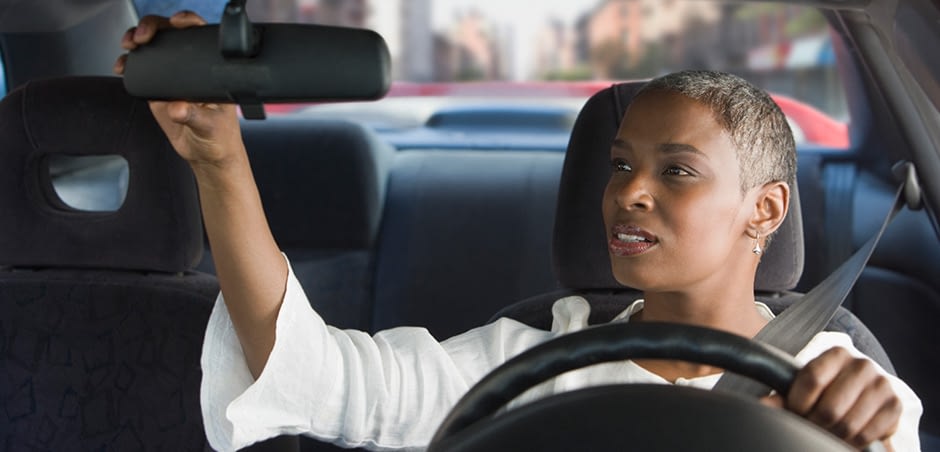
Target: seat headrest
158 226
323 184
580 241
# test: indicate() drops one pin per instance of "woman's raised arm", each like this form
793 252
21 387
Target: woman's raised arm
251 271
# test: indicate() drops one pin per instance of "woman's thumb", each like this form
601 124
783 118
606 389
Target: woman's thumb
181 112
203 119
773 400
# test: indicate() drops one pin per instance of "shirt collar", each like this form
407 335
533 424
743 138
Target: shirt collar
637 306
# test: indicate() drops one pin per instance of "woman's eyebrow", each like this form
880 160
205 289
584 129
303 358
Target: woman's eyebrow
621 144
678 148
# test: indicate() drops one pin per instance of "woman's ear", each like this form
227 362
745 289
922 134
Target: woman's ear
770 208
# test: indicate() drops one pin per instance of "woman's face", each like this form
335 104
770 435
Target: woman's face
673 208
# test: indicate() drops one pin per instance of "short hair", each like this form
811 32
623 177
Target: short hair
764 143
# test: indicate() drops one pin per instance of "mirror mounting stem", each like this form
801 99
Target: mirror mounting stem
238 38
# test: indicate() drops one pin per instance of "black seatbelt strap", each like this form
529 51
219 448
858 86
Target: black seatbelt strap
795 326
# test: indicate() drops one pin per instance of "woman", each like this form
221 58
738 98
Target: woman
701 170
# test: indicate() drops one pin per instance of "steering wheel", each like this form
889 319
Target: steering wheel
638 416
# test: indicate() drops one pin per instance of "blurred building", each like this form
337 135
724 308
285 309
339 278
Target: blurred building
344 13
582 45
406 27
555 50
613 36
272 10
418 38
476 47
642 38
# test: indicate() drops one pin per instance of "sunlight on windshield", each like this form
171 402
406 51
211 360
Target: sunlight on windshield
559 48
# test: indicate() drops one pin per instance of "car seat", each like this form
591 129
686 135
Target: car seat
580 258
479 221
322 184
101 319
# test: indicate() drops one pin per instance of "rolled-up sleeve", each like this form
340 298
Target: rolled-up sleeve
387 392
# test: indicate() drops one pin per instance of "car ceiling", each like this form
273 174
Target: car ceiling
27 16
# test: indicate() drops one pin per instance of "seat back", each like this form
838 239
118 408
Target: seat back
101 319
580 256
898 293
322 184
465 233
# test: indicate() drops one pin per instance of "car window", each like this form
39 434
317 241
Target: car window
211 10
3 76
90 183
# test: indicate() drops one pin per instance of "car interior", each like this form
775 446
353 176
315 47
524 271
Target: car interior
103 313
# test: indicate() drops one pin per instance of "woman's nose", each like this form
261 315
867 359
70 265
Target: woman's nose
632 193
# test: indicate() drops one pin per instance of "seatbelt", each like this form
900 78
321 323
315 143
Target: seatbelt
795 326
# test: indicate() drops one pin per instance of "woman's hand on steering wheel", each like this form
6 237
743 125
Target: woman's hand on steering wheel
846 396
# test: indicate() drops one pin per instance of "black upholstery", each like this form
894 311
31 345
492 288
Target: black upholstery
323 182
580 257
323 185
101 322
464 234
38 230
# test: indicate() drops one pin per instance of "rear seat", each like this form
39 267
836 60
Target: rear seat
439 260
464 234
322 183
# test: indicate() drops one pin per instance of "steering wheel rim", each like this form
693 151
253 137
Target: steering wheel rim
617 342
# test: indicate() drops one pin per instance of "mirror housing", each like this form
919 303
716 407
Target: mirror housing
290 63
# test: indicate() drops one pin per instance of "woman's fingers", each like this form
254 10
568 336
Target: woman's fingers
200 132
184 19
127 40
119 64
138 35
873 417
881 426
148 27
846 390
847 396
813 379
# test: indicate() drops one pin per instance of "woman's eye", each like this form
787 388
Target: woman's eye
620 165
676 171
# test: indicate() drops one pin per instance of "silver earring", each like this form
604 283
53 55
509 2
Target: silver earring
757 249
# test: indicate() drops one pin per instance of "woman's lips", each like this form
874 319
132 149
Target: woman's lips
626 240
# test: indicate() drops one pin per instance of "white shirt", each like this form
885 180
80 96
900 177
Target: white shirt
392 390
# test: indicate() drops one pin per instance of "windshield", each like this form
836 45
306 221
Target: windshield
568 49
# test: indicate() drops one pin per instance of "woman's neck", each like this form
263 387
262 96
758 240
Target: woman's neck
733 312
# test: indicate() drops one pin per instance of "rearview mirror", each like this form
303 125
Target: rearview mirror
291 63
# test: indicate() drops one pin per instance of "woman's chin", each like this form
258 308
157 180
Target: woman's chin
628 277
